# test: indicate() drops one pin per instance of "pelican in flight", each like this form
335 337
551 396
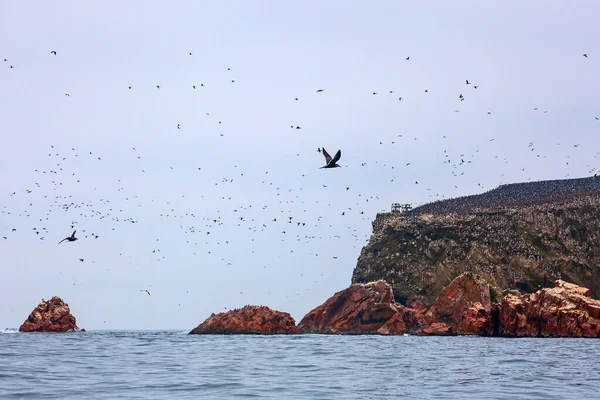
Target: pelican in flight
71 238
331 162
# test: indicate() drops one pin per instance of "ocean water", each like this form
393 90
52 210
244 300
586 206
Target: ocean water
173 365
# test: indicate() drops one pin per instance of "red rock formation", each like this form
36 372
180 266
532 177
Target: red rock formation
50 316
361 309
566 310
248 320
462 308
417 305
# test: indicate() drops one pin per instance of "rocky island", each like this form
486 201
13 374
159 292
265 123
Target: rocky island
519 260
51 315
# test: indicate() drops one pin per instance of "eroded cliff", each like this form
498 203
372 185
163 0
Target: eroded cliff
518 237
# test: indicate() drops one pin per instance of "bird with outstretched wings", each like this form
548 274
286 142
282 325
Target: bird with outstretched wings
331 162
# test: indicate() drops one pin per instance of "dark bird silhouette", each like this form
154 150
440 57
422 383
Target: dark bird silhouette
71 238
320 90
53 52
144 290
407 58
331 162
468 83
585 55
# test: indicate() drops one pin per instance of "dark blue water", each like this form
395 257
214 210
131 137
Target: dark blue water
172 365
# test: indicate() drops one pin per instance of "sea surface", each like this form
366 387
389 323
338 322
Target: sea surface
174 365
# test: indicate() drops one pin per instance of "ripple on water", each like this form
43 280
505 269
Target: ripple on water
169 364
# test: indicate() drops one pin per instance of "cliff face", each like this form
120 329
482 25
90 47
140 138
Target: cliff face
515 246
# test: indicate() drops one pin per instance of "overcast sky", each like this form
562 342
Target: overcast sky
197 215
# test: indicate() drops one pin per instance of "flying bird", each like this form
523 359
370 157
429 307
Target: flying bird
144 290
331 162
53 52
71 238
585 55
320 90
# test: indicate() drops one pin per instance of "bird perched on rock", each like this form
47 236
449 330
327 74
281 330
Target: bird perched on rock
71 238
331 162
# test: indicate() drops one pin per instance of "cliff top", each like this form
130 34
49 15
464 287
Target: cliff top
514 195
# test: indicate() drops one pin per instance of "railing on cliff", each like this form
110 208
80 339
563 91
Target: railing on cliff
397 207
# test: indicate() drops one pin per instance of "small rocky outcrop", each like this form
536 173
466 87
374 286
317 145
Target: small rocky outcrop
462 308
52 315
361 309
259 320
566 310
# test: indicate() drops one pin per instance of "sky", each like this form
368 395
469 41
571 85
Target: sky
210 198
